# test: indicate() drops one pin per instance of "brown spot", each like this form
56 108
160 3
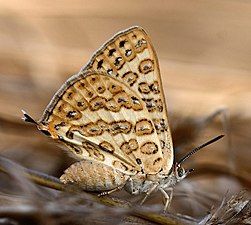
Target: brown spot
155 87
82 104
138 160
77 150
97 103
97 155
69 95
69 134
107 146
136 103
146 66
73 114
123 99
121 126
130 146
160 125
162 144
157 161
59 107
101 89
117 61
150 104
81 85
92 129
100 63
103 125
122 43
114 88
93 151
130 78
141 44
149 148
111 51
57 126
93 79
109 71
159 105
144 127
144 88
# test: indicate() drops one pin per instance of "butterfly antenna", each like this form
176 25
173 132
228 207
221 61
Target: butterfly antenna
199 148
27 118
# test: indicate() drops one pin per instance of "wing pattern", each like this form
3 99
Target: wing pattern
114 110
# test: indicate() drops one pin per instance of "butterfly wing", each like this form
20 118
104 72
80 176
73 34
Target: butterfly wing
130 57
114 111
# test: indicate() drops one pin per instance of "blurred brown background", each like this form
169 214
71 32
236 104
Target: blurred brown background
204 49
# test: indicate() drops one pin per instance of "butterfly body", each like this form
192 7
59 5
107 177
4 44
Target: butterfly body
94 176
112 117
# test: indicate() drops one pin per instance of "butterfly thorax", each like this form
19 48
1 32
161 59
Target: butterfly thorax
142 183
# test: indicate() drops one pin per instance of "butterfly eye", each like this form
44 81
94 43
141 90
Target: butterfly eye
181 172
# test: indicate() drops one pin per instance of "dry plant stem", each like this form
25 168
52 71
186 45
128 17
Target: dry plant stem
54 183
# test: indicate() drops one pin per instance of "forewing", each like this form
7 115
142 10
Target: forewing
114 110
130 57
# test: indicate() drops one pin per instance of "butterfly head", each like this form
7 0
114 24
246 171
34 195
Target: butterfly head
178 171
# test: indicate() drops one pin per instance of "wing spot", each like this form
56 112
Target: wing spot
122 43
93 151
114 88
162 144
107 146
130 78
111 51
160 125
138 160
157 161
155 88
100 63
144 127
117 61
149 148
57 126
144 88
128 52
90 94
82 104
129 146
71 114
146 66
101 89
77 150
121 126
97 103
69 134
110 71
141 45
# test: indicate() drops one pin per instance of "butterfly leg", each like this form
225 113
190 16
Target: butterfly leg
148 193
111 191
167 197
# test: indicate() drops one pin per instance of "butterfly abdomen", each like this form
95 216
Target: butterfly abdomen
93 176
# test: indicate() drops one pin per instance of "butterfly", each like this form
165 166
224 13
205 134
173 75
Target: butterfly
112 117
